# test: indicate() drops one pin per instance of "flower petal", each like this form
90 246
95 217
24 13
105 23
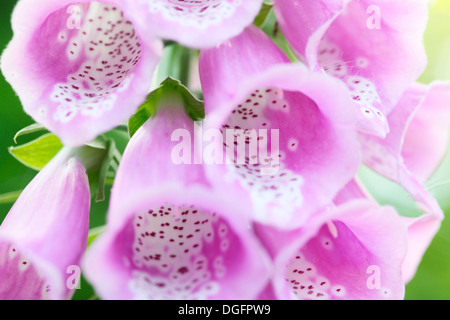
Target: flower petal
343 253
421 231
426 139
79 69
171 234
45 233
261 94
197 24
344 37
386 155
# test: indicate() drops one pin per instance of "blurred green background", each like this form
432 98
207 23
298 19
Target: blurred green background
433 277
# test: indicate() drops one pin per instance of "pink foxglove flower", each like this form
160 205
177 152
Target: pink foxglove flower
200 23
411 153
79 69
421 229
417 142
302 122
352 251
170 234
375 47
44 236
427 130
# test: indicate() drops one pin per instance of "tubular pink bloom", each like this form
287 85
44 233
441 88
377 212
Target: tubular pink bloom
170 234
352 251
417 142
410 154
44 236
424 147
80 68
370 45
427 136
248 84
421 230
200 23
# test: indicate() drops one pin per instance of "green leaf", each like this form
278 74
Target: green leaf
37 153
36 127
94 233
273 30
98 158
168 43
263 14
107 160
175 63
120 137
10 197
194 107
144 113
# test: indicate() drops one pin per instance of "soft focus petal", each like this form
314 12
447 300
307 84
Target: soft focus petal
79 69
371 45
428 134
412 129
410 154
197 24
249 85
352 191
421 229
346 252
44 235
170 234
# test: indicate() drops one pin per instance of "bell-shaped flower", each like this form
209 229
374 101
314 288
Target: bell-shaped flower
170 233
417 143
410 154
197 24
80 69
426 132
375 47
353 251
289 132
421 232
421 229
44 236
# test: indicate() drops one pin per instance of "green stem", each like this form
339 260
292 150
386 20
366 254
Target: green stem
176 63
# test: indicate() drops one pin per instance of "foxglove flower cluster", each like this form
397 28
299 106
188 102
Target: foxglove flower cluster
259 200
170 234
44 236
